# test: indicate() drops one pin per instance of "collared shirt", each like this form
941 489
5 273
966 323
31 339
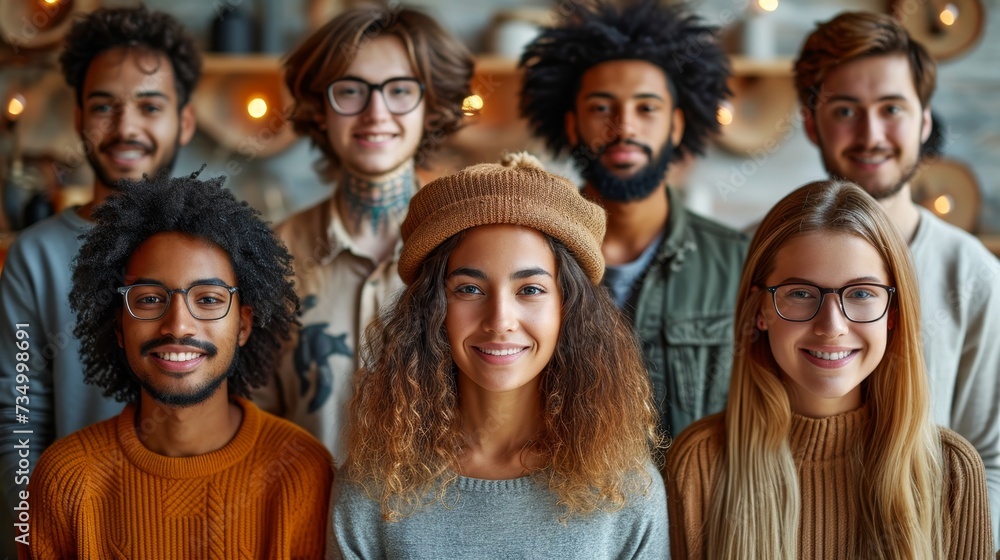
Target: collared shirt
342 291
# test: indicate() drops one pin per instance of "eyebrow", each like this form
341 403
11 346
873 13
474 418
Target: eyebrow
858 280
606 95
853 99
211 281
480 275
140 95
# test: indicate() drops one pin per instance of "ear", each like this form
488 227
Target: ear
570 122
246 323
809 124
677 126
187 124
925 124
760 321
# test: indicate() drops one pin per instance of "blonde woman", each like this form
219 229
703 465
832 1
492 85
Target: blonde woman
826 448
503 410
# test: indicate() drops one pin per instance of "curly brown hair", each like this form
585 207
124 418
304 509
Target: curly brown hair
440 61
599 422
110 28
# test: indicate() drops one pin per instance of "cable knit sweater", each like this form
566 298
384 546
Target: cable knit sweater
827 484
100 494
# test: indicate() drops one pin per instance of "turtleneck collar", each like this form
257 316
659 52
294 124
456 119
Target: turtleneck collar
823 439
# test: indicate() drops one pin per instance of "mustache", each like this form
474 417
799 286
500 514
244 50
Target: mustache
210 349
628 142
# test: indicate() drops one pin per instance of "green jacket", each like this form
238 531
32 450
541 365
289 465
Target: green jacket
684 316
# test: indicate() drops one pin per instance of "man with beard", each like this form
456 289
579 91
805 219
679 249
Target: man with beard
132 72
865 88
190 468
627 90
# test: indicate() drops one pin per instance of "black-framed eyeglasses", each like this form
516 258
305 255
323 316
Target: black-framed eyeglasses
206 302
351 96
860 303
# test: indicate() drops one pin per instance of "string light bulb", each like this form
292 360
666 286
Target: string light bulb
949 15
768 5
15 107
725 114
257 107
943 205
472 105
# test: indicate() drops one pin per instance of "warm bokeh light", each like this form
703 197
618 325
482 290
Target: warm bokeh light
472 104
15 107
257 107
768 5
50 2
724 114
949 14
942 204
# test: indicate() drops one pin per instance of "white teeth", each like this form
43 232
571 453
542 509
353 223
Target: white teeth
178 356
830 355
505 352
376 137
128 155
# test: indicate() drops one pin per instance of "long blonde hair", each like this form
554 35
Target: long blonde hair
754 512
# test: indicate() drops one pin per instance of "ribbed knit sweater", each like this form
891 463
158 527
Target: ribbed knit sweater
828 486
100 494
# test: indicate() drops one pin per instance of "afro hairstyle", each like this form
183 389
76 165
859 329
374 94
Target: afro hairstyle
665 35
201 209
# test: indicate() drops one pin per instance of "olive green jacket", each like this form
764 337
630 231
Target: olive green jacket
684 316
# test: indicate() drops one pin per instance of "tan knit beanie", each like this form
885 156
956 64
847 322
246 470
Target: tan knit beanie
516 191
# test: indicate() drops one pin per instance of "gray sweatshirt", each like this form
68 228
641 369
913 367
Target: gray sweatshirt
516 518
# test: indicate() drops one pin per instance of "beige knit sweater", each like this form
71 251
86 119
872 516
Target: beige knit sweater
828 483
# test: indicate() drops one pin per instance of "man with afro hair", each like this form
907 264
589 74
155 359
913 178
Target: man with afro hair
626 90
183 296
132 71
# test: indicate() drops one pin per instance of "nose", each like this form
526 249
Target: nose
830 322
627 122
127 121
376 111
872 130
501 315
178 321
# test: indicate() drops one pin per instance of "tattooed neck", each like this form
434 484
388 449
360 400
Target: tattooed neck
376 204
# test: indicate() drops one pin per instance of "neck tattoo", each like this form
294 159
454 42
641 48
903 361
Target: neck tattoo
379 203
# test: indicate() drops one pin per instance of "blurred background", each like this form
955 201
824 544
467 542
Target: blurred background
762 154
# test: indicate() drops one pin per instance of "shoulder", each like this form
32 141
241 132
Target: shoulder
959 458
59 233
69 460
710 230
697 446
937 239
296 448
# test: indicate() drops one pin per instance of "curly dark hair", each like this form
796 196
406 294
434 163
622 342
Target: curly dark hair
440 61
201 209
667 36
108 28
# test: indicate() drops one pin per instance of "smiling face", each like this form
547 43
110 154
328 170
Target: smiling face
869 123
375 143
180 360
823 361
624 113
129 118
504 307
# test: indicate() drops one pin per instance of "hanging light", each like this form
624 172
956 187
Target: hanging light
725 113
768 5
949 15
472 104
943 204
257 107
15 107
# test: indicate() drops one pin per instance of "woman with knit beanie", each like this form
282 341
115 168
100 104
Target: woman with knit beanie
826 447
503 409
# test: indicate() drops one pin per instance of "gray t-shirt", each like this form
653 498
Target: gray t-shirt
516 518
623 278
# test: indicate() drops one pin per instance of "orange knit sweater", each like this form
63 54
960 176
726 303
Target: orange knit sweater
100 494
828 489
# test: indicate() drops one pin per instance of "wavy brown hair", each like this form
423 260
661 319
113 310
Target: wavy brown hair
854 35
754 512
404 438
440 61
